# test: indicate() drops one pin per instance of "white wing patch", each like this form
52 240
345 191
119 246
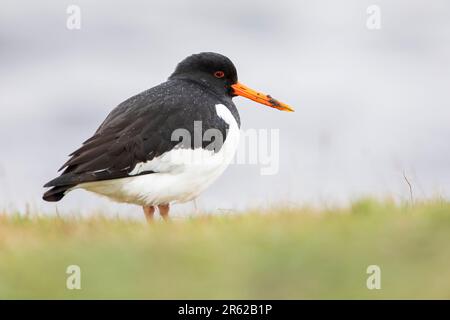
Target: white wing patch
223 112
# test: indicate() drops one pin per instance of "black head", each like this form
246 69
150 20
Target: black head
218 73
213 70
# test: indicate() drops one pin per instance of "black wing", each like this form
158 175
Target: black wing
137 130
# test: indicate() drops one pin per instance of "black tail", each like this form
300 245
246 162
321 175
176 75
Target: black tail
56 193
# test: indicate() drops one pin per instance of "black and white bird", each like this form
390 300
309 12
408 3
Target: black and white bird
167 144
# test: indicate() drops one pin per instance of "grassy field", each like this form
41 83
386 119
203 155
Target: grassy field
291 253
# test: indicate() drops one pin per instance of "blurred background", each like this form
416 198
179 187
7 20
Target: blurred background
371 105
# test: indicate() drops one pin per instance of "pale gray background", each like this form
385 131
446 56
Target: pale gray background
370 104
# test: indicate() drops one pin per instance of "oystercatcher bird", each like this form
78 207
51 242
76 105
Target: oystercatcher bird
167 144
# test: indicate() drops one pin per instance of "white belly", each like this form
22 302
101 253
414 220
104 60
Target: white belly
181 174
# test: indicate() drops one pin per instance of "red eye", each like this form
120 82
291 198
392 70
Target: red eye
219 74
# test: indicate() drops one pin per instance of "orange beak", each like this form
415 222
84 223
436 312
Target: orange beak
241 90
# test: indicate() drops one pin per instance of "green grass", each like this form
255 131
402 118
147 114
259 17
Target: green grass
280 254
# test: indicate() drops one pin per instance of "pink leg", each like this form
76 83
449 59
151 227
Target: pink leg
149 212
164 211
